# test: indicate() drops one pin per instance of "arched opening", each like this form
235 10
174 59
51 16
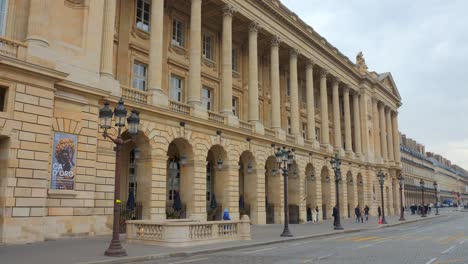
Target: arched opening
350 190
247 185
4 156
135 180
310 190
179 180
294 193
216 196
387 200
326 193
360 185
272 191
396 197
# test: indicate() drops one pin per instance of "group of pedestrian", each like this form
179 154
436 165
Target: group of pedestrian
420 209
361 214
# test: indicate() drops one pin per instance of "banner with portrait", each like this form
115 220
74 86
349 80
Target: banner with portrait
63 161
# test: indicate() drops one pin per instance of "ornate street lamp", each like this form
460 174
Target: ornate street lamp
336 165
105 117
219 163
437 197
285 159
381 176
423 208
402 209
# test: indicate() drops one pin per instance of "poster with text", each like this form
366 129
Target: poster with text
63 161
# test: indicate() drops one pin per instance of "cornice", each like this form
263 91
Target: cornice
33 68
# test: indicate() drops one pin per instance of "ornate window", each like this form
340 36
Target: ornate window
289 125
139 76
208 46
176 88
235 106
143 15
3 16
304 130
207 98
235 60
177 33
317 134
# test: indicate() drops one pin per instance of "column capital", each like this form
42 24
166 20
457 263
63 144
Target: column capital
275 41
228 10
293 53
335 80
310 63
253 26
323 72
346 87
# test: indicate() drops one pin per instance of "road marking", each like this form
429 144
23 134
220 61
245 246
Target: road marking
461 242
308 260
258 250
430 261
186 261
447 250
324 257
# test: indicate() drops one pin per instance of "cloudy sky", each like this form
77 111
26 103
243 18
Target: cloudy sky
423 43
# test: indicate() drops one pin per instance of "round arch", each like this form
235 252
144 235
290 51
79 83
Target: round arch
273 190
217 183
310 190
327 206
350 184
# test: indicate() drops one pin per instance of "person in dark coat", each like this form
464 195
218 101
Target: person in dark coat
317 210
335 215
357 212
379 211
366 212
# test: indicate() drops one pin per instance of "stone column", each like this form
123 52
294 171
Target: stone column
226 87
294 97
357 124
396 138
253 74
324 108
347 116
155 66
375 123
364 127
194 87
336 115
391 157
383 138
38 24
107 49
275 85
310 102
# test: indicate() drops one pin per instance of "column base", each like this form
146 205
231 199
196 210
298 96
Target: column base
299 140
316 144
280 134
231 119
326 147
158 98
108 83
198 110
258 127
340 151
350 154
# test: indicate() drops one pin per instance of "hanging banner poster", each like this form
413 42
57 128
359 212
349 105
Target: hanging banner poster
63 161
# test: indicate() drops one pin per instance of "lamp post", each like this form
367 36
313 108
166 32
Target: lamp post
105 117
285 159
336 165
401 180
423 208
437 198
381 176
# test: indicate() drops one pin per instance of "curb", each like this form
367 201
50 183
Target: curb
264 243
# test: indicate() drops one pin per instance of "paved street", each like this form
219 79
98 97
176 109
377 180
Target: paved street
442 240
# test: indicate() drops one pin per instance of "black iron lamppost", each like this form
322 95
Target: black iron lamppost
285 159
336 165
105 115
423 208
402 209
437 197
381 176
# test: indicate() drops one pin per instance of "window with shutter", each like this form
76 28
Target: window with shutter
176 88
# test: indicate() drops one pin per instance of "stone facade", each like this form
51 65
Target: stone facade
219 86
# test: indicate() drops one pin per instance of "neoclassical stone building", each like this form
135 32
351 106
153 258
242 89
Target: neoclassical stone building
219 86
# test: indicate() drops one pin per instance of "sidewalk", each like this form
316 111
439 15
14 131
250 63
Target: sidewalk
90 250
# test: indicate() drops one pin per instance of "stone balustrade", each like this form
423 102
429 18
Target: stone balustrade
185 232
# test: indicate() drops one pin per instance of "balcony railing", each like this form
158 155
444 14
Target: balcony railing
218 118
12 48
245 125
180 108
308 143
135 94
269 132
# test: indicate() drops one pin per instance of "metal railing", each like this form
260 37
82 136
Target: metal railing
134 94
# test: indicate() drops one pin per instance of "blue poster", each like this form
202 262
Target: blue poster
63 161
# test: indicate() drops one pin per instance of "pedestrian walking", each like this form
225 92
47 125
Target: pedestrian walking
317 215
357 212
379 211
314 216
366 212
335 215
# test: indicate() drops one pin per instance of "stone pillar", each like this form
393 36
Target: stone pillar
226 87
158 98
38 24
275 85
310 102
383 138
357 124
364 127
107 49
375 117
253 75
391 157
347 119
336 115
294 97
396 138
324 108
194 87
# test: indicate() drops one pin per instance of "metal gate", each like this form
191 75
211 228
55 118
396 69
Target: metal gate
127 214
